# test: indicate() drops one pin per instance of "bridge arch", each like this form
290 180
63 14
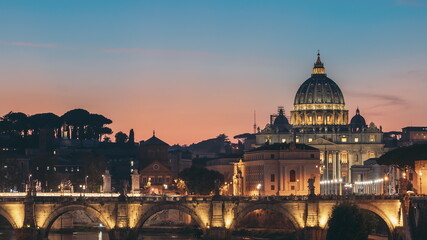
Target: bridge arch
72 207
160 207
239 215
9 218
380 213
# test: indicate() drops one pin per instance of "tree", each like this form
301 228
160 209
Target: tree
76 120
121 137
43 120
85 125
404 156
96 127
200 180
14 123
131 137
349 222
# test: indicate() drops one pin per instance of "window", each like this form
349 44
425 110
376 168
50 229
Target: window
356 139
292 177
343 139
310 139
144 180
312 155
330 158
272 177
344 157
371 155
160 180
283 140
272 156
272 187
167 180
371 138
297 140
292 187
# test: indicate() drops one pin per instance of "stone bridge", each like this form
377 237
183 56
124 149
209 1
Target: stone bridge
123 217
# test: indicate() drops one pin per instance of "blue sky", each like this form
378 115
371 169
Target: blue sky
141 61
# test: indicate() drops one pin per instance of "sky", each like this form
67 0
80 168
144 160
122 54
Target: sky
191 70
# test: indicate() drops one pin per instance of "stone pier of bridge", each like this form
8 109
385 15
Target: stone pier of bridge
124 217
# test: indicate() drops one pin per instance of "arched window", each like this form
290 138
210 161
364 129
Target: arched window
292 176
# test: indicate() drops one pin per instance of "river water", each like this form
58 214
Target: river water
8 235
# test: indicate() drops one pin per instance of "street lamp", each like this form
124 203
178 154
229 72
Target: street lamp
386 186
86 182
259 189
29 182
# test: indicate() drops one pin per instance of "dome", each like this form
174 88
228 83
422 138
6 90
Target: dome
281 123
319 101
281 119
357 122
319 89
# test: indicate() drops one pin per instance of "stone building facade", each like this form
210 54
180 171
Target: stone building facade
277 169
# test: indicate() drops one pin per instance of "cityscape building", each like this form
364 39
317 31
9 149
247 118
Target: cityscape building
320 120
277 169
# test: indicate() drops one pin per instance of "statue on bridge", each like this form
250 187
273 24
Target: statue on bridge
311 187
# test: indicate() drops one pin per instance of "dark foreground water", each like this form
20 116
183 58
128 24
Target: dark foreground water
8 235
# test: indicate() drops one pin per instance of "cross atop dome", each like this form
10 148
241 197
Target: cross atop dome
318 66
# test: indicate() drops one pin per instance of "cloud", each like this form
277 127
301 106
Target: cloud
29 44
382 100
162 52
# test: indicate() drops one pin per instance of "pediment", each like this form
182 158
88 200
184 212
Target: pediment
320 141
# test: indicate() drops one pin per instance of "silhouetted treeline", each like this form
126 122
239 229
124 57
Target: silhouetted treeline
20 130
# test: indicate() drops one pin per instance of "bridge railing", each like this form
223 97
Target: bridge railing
169 197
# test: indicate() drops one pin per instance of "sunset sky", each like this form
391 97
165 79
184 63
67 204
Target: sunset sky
194 69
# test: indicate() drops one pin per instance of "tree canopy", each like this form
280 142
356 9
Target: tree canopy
404 156
121 137
349 222
23 130
201 180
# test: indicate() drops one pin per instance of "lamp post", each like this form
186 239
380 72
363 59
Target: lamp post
29 182
421 184
259 189
86 183
386 184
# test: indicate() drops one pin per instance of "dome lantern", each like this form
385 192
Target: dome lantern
318 66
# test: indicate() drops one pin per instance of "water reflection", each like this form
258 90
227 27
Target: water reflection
78 236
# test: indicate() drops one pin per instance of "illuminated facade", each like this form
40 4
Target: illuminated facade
319 119
277 169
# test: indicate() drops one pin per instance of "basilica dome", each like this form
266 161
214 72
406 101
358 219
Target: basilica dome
319 89
319 100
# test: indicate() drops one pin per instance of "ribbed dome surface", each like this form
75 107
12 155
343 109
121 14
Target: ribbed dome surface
319 89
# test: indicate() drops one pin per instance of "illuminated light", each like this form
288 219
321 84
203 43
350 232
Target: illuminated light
228 222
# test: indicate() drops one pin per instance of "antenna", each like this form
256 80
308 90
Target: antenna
254 121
